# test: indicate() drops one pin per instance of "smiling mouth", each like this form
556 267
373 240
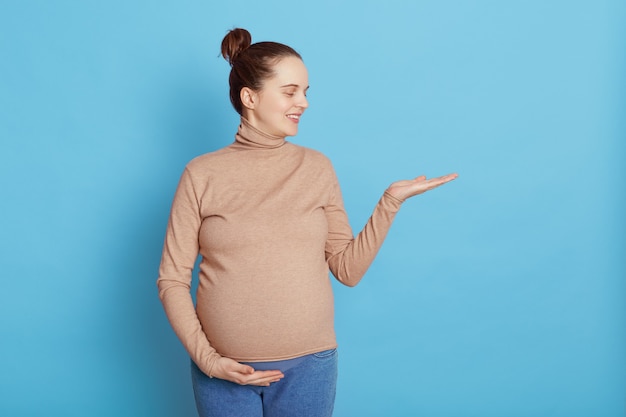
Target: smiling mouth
295 117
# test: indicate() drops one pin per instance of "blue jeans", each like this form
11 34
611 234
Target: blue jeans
307 390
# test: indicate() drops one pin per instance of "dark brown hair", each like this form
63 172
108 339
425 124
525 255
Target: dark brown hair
251 63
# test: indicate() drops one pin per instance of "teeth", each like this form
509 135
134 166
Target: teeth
293 116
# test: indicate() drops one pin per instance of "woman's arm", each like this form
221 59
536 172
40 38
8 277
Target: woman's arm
180 251
349 258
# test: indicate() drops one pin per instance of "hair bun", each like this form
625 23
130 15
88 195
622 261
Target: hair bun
234 43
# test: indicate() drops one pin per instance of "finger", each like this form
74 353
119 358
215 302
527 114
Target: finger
444 179
268 374
262 378
241 368
435 182
263 381
450 177
258 375
420 178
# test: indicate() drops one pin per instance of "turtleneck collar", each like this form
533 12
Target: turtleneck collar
251 137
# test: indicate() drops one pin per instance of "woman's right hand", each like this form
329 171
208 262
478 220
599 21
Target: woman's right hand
241 374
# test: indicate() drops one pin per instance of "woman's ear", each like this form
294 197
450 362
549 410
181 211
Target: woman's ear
248 98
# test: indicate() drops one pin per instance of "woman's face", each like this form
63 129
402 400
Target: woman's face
276 108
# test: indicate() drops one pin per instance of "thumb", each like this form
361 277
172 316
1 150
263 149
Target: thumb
244 369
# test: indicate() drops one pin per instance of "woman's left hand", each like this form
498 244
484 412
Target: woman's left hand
408 188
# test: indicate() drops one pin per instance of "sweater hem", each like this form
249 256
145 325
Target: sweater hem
282 357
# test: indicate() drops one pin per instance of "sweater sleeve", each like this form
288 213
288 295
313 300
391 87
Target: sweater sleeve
349 257
180 252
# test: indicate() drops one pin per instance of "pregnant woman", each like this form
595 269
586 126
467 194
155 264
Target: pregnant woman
267 218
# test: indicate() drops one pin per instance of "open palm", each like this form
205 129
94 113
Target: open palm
408 188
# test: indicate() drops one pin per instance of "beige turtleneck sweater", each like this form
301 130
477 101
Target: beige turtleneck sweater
268 220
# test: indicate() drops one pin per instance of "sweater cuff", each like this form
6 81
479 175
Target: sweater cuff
390 202
212 359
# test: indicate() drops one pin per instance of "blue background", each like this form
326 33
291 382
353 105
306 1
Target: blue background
500 294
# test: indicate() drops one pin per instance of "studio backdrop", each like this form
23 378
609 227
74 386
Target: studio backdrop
499 294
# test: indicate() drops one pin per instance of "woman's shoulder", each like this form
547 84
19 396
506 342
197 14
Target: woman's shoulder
313 154
210 159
